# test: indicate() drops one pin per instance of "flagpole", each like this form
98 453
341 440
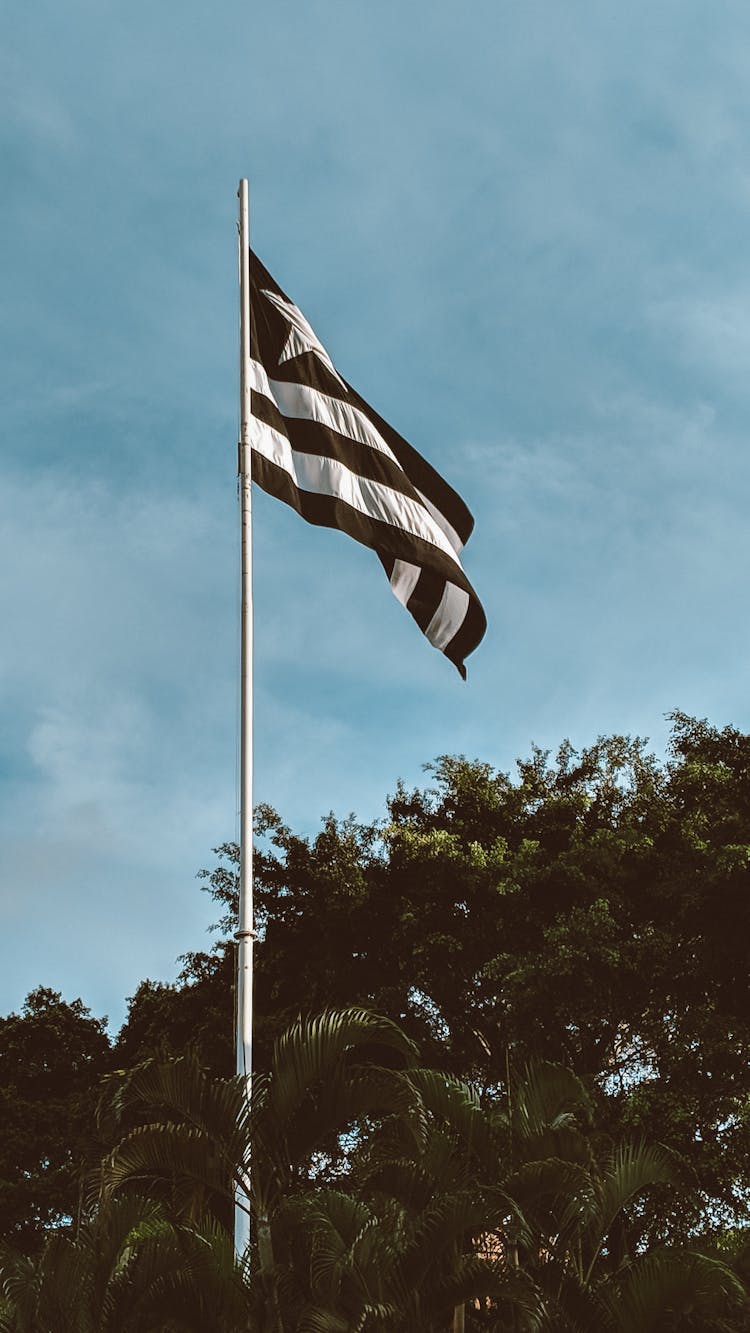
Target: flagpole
245 934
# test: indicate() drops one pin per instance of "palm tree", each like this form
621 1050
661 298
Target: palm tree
576 1203
128 1269
328 1115
388 1198
510 1196
198 1142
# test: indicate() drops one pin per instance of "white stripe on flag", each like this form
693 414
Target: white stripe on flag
307 404
404 579
327 476
303 403
449 616
258 378
443 523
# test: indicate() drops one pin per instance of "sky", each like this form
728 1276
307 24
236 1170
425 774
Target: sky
522 230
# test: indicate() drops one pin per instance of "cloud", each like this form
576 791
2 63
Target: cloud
520 230
711 330
36 115
118 771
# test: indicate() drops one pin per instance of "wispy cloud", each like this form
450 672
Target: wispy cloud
711 331
40 118
521 231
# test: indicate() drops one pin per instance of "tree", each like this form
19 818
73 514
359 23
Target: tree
127 1269
593 911
387 1196
324 1259
196 1014
52 1056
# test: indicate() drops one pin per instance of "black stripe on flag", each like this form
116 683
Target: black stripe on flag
320 447
312 438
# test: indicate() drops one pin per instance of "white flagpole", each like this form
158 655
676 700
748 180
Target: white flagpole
245 933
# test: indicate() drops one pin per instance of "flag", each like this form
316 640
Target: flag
317 445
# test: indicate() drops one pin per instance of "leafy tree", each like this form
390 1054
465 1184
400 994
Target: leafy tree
322 1076
196 1014
324 1260
388 1198
127 1269
592 910
52 1056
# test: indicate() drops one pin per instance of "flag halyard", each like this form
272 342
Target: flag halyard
318 446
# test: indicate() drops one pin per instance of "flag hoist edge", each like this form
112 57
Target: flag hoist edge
317 445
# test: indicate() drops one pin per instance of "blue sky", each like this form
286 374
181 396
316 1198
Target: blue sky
521 229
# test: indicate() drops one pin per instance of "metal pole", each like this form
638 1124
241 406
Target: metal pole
245 935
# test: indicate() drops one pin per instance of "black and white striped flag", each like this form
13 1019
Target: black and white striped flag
318 445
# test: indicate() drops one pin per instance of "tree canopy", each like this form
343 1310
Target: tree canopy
590 909
53 1056
385 1197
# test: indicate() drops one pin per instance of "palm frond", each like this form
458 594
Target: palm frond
632 1168
187 1162
312 1050
677 1289
182 1090
455 1106
548 1096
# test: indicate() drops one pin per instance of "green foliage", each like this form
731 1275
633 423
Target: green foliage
593 911
52 1057
127 1269
503 1205
587 915
194 1132
194 1014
